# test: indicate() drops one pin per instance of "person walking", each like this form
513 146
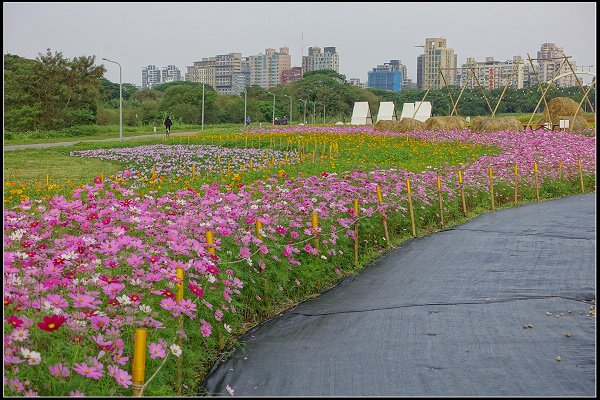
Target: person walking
168 124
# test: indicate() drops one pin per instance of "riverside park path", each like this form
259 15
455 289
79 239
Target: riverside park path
503 305
47 145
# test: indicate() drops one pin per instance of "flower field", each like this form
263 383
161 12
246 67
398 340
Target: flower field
197 242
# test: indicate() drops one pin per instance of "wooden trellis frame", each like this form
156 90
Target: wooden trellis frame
464 86
551 81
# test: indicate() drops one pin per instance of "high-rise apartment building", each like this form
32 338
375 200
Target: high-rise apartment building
315 60
550 64
388 76
170 73
421 72
437 57
492 74
202 71
266 69
150 76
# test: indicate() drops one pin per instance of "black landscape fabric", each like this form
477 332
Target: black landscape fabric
503 305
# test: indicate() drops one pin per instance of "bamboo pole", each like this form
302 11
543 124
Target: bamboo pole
439 186
491 187
537 185
179 369
315 226
580 175
516 184
560 170
384 216
462 192
139 361
210 241
410 208
47 180
356 233
259 226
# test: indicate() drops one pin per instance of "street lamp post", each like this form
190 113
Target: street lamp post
273 120
120 99
245 103
304 110
285 95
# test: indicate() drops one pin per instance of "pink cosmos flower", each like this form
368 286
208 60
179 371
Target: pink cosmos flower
59 370
206 329
83 300
294 234
122 377
218 315
76 393
244 252
156 351
168 304
134 260
100 323
187 307
90 372
56 301
14 321
15 385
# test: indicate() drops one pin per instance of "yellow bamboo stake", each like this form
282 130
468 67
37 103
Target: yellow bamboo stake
356 233
580 175
102 177
439 186
210 241
259 226
250 164
410 208
383 217
179 298
491 188
193 170
560 170
462 192
47 180
315 225
219 162
139 361
537 185
516 184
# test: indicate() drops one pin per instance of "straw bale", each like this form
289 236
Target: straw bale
445 123
405 125
561 106
496 124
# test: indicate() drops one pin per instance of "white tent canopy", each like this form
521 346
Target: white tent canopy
387 111
419 110
361 114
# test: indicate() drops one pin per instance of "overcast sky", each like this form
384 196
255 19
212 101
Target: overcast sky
365 34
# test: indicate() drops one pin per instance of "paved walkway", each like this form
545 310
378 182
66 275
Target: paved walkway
485 309
46 145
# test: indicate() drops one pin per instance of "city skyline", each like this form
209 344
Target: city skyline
132 35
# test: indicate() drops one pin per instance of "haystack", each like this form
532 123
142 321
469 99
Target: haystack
445 123
405 125
561 106
495 124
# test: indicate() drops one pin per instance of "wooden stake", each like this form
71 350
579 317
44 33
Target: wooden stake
516 184
462 192
383 217
560 170
580 175
410 208
439 186
47 180
537 185
491 188
259 226
315 225
210 241
356 233
139 361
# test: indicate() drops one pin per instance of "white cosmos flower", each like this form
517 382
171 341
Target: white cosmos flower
175 350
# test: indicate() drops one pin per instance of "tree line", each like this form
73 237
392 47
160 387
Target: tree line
53 92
